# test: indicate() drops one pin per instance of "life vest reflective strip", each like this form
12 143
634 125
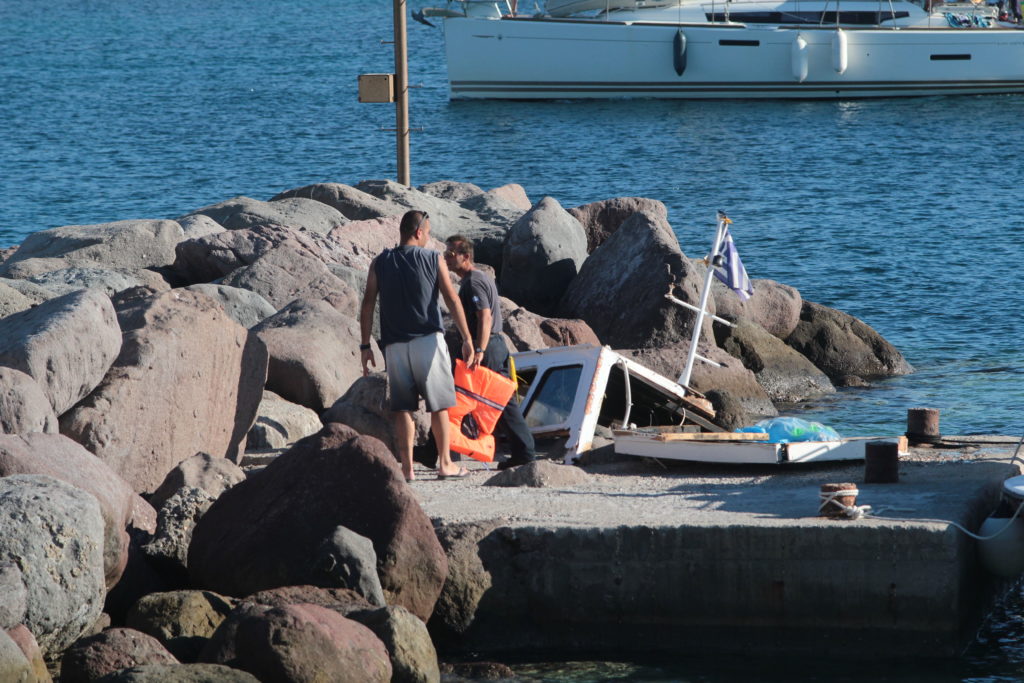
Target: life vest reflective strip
480 397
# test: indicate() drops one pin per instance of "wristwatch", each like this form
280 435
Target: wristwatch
478 350
364 347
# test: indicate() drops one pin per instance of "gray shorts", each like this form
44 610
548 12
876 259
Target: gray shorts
420 367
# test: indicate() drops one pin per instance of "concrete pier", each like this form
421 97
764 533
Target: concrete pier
697 559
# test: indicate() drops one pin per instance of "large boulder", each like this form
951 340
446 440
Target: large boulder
179 673
307 643
13 596
24 407
285 274
124 245
451 190
181 620
773 305
542 254
112 650
314 351
468 582
66 345
280 423
243 306
785 374
412 653
202 471
243 212
841 345
54 532
172 393
364 408
14 665
106 280
167 550
528 331
61 458
344 601
354 204
620 290
362 240
12 301
334 478
26 642
198 225
601 219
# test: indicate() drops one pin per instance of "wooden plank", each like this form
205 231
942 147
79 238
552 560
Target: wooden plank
713 436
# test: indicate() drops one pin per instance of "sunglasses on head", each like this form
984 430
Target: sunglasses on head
424 217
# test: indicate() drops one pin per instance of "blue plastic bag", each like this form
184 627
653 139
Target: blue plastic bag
787 429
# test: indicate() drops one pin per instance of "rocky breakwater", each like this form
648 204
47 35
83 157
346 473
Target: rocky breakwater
141 360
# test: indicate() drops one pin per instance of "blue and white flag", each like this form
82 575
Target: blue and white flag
732 272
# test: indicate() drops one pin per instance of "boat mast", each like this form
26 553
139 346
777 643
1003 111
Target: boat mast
714 259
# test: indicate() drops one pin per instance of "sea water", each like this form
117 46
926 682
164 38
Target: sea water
903 212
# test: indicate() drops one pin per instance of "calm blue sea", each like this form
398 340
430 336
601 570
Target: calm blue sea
904 213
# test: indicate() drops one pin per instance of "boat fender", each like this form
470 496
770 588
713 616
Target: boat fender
679 52
799 57
839 51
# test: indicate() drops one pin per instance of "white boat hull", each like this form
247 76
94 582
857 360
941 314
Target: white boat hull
530 58
742 452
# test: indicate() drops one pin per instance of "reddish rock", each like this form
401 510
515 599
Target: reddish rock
62 458
774 306
285 274
188 379
601 219
341 600
201 471
112 650
301 643
512 193
333 478
26 642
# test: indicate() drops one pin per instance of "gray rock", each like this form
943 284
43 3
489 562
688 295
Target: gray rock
620 290
24 407
469 579
124 245
110 651
364 408
202 471
451 190
209 382
729 413
26 642
347 560
199 225
774 306
54 532
412 653
14 666
244 212
314 351
68 280
285 274
841 345
352 203
181 620
601 219
513 194
11 300
785 374
66 345
36 294
243 306
13 596
543 251
179 673
540 474
176 518
280 423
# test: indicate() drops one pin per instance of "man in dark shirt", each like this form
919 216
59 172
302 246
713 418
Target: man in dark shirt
479 297
408 279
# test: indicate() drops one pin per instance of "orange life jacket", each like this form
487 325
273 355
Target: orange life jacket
480 397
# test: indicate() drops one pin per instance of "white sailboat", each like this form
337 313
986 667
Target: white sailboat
808 49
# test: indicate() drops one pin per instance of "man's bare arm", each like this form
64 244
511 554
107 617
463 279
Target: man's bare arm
451 298
366 317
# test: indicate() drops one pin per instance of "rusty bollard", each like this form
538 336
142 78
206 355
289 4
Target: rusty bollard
833 505
881 462
923 426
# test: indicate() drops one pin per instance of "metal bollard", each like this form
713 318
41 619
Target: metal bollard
923 426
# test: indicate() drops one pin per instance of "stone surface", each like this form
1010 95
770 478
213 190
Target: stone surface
512 193
314 351
334 478
620 290
170 395
341 600
786 375
729 413
244 212
468 579
451 190
112 650
14 666
177 517
201 471
66 345
26 642
13 596
61 458
24 407
122 245
106 280
179 673
280 423
601 219
11 300
54 533
243 306
542 254
180 620
364 408
285 274
301 643
350 561
540 473
839 345
198 225
361 241
774 306
412 654
351 202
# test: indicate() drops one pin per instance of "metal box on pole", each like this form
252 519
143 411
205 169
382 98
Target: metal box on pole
377 88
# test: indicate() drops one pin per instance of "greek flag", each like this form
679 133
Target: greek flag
732 272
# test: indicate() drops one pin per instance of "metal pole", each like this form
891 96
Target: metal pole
684 379
401 94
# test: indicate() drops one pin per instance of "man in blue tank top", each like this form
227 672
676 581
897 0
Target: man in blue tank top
408 279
